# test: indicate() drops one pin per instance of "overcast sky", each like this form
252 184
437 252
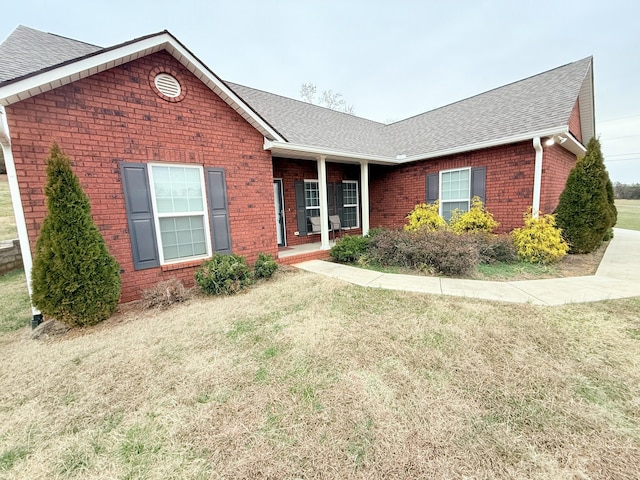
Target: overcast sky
389 59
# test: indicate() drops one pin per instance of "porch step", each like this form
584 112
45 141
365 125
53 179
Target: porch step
303 257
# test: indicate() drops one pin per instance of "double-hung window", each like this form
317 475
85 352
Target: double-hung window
455 191
350 217
312 198
178 199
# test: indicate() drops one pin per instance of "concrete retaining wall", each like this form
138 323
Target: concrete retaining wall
10 255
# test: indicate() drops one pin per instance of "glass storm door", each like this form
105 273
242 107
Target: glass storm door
279 206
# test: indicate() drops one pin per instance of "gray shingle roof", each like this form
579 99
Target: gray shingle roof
26 51
306 124
537 103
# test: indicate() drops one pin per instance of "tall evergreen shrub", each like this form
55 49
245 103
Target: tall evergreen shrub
586 211
74 278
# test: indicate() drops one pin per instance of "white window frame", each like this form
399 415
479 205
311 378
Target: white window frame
457 200
157 216
351 205
307 207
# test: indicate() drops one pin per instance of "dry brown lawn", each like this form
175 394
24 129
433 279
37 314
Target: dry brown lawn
309 377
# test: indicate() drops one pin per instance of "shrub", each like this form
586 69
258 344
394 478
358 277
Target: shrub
495 248
374 231
265 266
425 217
540 241
224 274
585 211
477 219
3 168
434 251
349 248
74 278
164 294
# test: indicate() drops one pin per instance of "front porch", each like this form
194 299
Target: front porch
302 253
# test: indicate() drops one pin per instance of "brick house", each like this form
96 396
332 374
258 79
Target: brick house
179 164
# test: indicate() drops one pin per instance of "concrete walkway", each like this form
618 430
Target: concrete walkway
618 276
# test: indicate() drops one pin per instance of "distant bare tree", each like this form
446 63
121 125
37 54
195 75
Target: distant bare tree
329 98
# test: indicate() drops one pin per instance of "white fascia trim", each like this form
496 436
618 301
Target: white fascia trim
573 145
100 62
570 145
16 200
488 144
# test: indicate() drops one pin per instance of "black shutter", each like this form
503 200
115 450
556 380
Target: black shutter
432 187
478 182
331 203
137 199
301 210
340 203
218 210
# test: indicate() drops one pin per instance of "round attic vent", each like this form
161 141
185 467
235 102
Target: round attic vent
167 85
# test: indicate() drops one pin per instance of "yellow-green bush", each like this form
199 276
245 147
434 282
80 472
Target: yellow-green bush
425 217
477 219
539 241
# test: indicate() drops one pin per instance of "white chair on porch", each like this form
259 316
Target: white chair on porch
335 225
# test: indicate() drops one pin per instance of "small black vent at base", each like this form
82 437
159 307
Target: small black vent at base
36 320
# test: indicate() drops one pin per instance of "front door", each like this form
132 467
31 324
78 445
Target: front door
279 206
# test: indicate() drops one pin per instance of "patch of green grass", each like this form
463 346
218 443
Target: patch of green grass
362 441
15 307
261 374
75 460
505 271
8 458
240 329
628 214
112 420
140 446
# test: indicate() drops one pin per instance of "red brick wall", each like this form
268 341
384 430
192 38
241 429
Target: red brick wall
574 122
290 171
115 116
394 191
556 165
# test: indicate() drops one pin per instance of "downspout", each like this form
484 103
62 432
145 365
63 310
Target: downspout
18 211
537 178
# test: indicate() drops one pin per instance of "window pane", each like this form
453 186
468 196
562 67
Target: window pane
182 237
350 193
177 189
455 185
311 194
449 207
349 217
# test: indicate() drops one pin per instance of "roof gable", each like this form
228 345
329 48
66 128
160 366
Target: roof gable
100 59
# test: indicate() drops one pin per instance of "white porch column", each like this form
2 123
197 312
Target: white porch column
324 204
364 187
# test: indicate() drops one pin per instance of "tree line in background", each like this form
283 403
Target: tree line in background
627 191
